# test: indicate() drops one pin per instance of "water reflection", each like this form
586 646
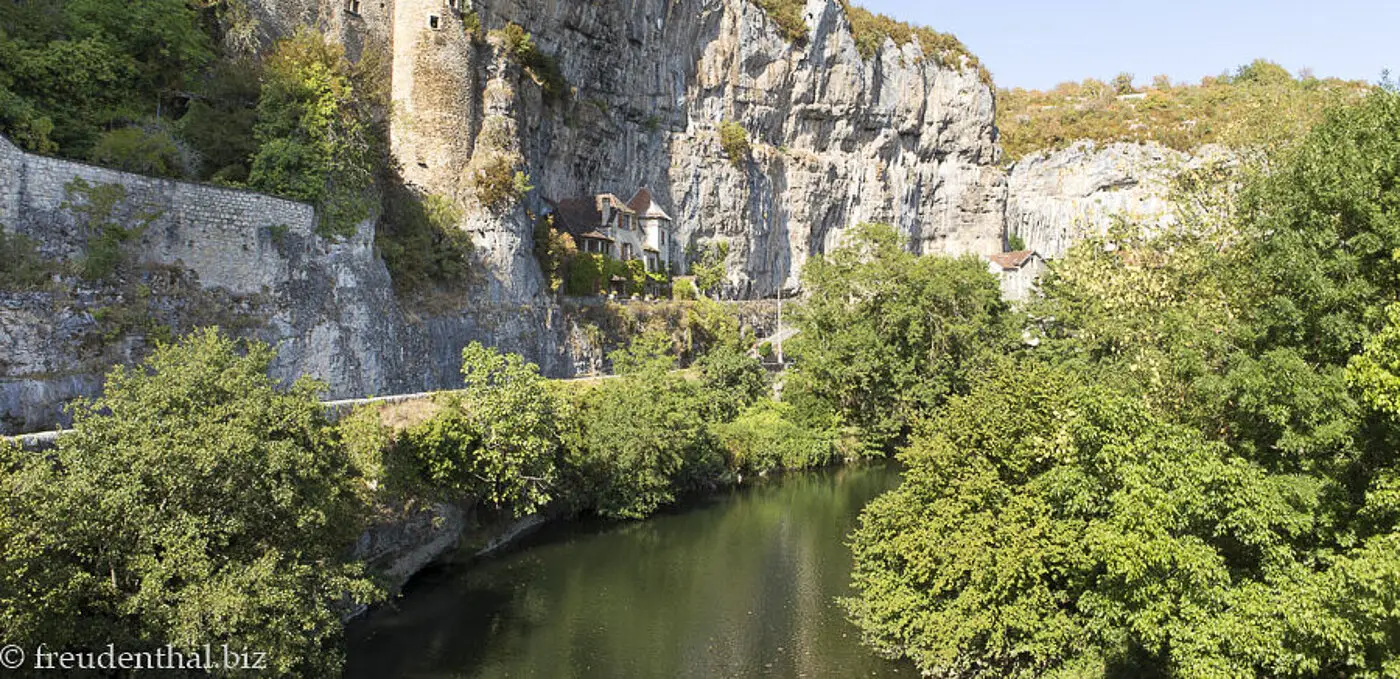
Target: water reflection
742 585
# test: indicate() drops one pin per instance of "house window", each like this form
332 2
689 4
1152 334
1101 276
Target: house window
433 21
626 251
352 6
453 4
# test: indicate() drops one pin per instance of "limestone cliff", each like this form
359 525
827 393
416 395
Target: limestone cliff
838 139
1057 199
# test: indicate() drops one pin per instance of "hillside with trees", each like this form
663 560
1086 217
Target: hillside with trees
1259 104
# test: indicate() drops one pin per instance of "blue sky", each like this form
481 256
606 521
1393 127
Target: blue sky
1039 43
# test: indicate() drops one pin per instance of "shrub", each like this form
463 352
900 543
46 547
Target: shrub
871 30
542 68
735 141
107 223
421 241
765 438
787 14
496 181
22 267
134 149
553 251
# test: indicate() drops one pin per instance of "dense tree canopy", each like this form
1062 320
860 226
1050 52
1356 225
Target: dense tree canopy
195 502
1193 474
887 335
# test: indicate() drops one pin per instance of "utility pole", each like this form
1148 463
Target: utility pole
780 324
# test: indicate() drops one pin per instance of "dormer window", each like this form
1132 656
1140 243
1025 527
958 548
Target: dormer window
433 21
352 6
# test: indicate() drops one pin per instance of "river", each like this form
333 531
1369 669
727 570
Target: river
741 584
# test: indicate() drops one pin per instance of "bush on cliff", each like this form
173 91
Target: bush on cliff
196 502
314 143
734 139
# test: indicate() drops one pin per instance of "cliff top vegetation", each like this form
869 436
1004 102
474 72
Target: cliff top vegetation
1260 103
870 31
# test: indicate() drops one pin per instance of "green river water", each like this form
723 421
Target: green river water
741 584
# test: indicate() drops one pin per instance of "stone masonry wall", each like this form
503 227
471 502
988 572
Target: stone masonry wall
249 262
228 237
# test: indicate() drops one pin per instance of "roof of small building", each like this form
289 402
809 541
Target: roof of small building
583 217
578 217
1012 260
614 201
643 204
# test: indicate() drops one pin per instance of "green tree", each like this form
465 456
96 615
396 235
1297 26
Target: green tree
887 335
195 502
641 439
1050 528
731 381
219 123
313 142
712 269
496 441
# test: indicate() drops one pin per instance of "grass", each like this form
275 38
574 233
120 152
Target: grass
1261 104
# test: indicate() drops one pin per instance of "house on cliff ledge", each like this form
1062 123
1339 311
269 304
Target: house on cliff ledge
603 224
1018 271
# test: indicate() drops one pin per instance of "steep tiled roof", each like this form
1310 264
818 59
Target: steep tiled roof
579 217
644 205
1012 260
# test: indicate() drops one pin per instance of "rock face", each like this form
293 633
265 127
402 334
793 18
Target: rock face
837 139
1057 199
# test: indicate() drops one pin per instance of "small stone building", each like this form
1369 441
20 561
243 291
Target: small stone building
1018 271
604 224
